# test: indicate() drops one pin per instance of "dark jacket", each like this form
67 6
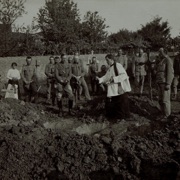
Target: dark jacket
164 71
77 69
50 70
28 73
176 65
93 69
62 72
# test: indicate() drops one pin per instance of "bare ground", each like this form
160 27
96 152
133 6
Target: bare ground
36 144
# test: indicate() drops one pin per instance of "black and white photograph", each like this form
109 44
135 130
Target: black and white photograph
89 89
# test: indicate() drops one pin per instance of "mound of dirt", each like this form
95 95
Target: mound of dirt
31 148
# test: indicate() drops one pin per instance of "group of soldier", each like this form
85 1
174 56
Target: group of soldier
66 76
166 71
60 74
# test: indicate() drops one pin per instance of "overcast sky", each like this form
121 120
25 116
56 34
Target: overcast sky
129 14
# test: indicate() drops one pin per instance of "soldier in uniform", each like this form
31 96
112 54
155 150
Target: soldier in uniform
78 72
164 77
70 60
175 83
93 69
63 76
122 59
101 88
139 70
49 71
29 78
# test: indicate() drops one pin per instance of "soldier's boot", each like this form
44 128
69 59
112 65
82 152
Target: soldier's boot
174 97
53 100
70 104
60 114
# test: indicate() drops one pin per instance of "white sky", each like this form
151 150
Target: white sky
129 14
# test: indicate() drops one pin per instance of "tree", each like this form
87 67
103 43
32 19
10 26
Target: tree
59 22
123 36
10 10
156 32
94 28
126 39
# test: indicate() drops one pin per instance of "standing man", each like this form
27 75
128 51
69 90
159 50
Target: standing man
93 70
176 66
56 60
70 60
63 76
139 70
117 87
29 78
78 72
50 73
122 59
101 88
164 77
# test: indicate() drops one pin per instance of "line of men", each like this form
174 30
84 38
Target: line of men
60 71
59 75
166 75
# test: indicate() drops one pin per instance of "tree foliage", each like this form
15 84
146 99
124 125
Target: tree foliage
126 39
156 32
59 22
10 10
94 28
123 36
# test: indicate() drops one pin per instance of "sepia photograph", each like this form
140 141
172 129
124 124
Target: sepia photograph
89 89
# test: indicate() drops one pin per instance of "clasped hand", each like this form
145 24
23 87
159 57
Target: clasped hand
167 87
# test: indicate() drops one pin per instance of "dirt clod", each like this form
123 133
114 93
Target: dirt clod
37 144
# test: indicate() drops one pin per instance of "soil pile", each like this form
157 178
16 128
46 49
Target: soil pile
28 150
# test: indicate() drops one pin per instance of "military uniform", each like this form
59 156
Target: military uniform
29 78
176 66
123 60
50 73
164 77
77 70
63 76
139 70
93 69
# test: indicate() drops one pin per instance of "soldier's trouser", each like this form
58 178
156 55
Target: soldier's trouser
30 91
175 84
85 87
93 84
51 89
140 82
164 99
64 89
